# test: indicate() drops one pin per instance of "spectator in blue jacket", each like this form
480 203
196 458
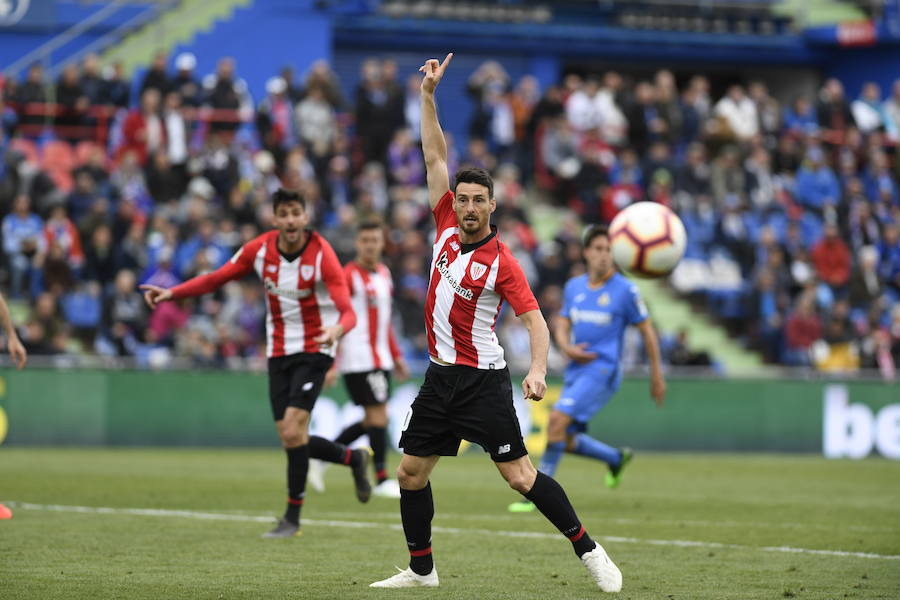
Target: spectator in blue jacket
800 117
23 242
203 241
817 186
880 182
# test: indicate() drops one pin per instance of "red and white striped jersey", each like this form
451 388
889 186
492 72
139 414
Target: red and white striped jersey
467 286
303 296
371 344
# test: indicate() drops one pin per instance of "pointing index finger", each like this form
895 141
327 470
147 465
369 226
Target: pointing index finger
447 60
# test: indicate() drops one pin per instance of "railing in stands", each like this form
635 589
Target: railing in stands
97 120
42 52
153 11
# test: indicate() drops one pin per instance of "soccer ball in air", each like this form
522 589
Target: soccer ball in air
647 239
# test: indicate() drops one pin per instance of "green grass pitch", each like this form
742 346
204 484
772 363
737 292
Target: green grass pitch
681 527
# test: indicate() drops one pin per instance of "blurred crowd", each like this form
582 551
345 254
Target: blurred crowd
792 211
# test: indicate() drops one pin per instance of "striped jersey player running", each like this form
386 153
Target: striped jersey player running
369 354
308 311
467 393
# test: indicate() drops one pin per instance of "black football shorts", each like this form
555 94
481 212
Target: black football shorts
368 388
296 380
458 403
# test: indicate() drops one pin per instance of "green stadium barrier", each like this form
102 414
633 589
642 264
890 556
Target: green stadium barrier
225 408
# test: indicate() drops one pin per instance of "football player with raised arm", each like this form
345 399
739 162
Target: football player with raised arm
467 392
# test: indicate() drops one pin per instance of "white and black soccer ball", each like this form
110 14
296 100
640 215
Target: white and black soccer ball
647 240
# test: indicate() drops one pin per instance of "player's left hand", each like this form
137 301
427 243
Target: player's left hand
401 370
329 336
658 389
534 386
17 351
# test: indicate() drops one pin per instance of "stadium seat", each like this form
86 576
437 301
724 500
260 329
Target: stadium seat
728 304
84 150
62 178
57 155
725 274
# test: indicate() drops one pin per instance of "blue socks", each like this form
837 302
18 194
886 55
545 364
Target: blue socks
585 445
550 459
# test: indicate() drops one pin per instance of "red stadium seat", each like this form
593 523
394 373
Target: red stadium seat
84 150
62 178
58 155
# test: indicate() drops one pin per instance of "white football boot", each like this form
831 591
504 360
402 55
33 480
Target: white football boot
607 575
407 578
389 488
315 476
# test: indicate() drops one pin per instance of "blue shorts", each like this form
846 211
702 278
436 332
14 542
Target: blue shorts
583 395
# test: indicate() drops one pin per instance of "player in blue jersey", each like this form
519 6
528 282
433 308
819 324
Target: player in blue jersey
597 308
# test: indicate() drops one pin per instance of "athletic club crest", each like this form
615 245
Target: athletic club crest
307 271
476 270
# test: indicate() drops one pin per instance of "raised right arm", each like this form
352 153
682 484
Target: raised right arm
434 146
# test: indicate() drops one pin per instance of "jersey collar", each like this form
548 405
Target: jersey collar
291 257
466 248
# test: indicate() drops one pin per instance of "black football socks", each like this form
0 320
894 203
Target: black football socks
416 512
329 451
350 433
297 467
378 440
551 500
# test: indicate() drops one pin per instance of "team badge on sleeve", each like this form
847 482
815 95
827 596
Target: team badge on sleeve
476 270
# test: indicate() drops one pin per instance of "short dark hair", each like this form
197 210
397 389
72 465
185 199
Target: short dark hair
283 195
595 231
369 225
475 175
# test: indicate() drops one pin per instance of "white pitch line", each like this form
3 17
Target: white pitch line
628 521
207 516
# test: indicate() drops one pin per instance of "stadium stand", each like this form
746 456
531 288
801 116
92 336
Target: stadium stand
791 205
